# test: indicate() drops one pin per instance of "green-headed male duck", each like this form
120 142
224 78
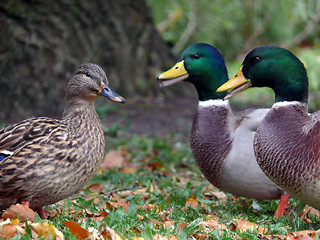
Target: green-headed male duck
222 143
44 160
287 142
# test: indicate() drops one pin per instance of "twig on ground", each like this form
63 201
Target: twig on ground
108 194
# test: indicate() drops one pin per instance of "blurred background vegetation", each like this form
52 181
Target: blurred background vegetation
237 26
42 42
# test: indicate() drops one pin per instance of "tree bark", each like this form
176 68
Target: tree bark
42 43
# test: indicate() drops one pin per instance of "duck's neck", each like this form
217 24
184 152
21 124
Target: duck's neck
77 106
207 86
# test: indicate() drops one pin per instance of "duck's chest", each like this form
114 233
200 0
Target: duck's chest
287 147
210 140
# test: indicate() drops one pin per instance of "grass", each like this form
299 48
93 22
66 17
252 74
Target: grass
167 200
166 195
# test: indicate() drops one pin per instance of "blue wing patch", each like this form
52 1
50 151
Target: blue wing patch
4 154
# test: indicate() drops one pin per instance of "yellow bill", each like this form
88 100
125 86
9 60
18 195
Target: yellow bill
176 74
235 85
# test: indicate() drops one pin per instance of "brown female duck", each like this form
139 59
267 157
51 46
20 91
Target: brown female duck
44 160
221 142
287 142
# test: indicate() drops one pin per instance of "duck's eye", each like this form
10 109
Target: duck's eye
196 56
256 59
88 74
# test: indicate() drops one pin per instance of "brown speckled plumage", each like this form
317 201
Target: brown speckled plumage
52 159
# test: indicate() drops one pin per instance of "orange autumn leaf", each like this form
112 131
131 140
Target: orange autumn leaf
191 202
110 234
77 231
302 235
159 237
128 170
112 205
96 188
243 226
8 231
47 231
211 225
19 210
155 166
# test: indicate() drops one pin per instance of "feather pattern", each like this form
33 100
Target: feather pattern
290 153
222 145
51 159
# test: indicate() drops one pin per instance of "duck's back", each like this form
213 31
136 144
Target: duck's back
50 159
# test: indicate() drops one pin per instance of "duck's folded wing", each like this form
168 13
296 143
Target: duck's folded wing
17 135
251 118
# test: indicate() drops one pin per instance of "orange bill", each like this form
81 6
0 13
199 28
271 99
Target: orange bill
235 85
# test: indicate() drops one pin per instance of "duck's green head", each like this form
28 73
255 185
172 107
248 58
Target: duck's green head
273 67
202 65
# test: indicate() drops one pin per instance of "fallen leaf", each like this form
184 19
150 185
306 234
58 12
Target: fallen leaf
211 224
155 166
159 237
113 159
149 207
8 231
128 170
191 202
220 196
302 235
19 210
243 226
110 234
112 205
47 231
77 231
183 225
96 188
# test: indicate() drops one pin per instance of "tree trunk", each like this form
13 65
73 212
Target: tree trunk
42 43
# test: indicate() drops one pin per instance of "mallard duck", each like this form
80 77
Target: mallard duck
287 142
222 143
44 160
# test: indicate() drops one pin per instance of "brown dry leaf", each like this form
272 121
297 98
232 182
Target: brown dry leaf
128 170
155 166
96 188
19 210
243 226
137 238
77 231
302 235
159 237
110 234
149 207
112 205
183 225
307 212
47 231
113 159
191 202
211 225
8 231
220 196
